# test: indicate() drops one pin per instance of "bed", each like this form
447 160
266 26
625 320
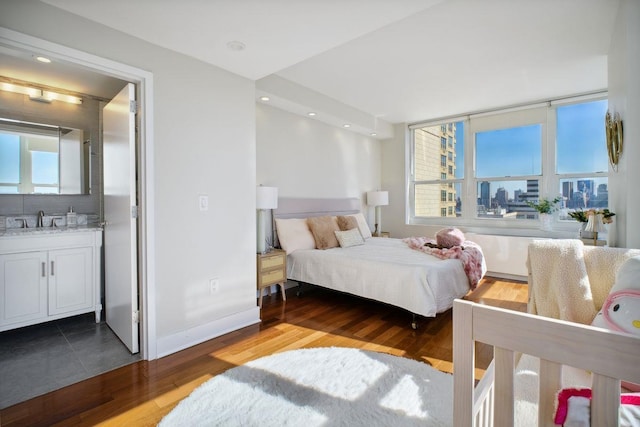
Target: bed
568 356
382 269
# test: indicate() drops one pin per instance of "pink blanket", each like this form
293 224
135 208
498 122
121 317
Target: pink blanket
469 253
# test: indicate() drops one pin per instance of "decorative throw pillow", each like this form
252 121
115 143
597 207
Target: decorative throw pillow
347 222
449 237
323 229
294 234
349 238
362 225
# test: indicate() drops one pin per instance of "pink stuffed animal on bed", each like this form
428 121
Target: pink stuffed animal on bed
449 237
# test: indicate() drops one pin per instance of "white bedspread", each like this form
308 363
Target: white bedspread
386 270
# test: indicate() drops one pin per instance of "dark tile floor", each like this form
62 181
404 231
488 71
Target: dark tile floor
40 358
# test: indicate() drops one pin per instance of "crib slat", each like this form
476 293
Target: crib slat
503 388
463 364
605 401
550 382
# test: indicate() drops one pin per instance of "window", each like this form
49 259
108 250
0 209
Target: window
582 163
443 144
431 184
511 157
9 163
29 159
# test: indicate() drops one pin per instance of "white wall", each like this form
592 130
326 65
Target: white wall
624 98
306 158
204 143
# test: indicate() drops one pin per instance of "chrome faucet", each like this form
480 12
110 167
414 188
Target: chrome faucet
40 219
25 224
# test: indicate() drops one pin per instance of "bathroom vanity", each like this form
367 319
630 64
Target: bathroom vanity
49 273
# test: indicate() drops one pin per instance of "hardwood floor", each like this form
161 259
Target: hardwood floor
142 393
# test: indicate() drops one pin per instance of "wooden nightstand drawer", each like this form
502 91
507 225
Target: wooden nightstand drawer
271 277
272 261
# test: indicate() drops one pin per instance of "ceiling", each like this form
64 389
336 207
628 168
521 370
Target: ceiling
396 61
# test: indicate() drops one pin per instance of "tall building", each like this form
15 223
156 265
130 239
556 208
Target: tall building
435 159
502 197
485 194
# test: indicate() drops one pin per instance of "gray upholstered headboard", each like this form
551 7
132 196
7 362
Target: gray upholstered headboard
306 207
289 207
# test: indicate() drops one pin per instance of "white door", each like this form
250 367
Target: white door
120 235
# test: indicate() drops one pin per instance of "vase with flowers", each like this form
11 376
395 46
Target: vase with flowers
545 207
582 216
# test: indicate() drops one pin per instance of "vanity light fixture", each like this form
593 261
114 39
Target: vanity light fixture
39 94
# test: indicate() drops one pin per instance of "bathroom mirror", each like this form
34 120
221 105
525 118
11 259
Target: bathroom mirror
43 159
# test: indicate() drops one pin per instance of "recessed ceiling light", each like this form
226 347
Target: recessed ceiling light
236 45
43 59
346 125
311 113
373 134
264 98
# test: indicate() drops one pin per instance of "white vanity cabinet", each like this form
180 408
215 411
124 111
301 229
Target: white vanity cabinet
47 276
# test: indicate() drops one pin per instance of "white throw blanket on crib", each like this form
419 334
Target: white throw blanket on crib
560 285
570 281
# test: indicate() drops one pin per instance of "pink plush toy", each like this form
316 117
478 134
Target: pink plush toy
621 309
449 237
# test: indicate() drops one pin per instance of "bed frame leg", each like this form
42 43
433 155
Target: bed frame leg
414 321
299 290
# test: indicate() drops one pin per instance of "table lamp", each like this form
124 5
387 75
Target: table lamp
266 198
377 199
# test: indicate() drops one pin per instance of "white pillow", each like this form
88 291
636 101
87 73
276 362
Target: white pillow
349 238
362 225
294 234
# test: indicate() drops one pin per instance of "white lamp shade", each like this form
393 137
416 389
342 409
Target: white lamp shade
377 198
266 197
594 224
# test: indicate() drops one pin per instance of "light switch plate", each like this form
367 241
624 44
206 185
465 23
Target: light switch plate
204 203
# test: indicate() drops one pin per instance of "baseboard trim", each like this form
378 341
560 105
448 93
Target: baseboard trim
507 276
201 333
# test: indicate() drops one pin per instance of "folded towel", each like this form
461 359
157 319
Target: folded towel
560 285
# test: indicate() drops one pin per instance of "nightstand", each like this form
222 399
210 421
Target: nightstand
272 270
385 234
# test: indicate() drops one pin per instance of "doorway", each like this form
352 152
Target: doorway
144 84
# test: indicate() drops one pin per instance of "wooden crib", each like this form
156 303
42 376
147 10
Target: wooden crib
610 356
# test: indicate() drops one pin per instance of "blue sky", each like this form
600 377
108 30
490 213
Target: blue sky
580 146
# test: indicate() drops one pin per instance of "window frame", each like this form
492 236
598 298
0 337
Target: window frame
549 180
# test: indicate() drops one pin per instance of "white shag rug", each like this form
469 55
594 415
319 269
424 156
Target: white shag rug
321 387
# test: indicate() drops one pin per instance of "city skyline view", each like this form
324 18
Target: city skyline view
508 163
